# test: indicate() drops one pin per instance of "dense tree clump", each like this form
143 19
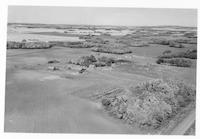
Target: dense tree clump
177 43
161 41
180 59
77 44
112 50
86 60
190 53
108 61
27 45
151 103
179 62
99 62
190 35
166 52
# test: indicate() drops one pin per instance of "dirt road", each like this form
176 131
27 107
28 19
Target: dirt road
185 124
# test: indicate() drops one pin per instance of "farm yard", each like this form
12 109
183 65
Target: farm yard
100 79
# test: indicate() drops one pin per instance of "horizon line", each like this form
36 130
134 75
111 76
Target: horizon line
101 25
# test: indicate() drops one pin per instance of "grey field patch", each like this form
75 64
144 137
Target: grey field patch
92 77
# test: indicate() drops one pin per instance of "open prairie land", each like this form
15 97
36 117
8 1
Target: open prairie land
77 84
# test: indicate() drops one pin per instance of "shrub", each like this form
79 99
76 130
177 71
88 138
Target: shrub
186 41
176 45
106 60
28 45
36 45
187 93
112 50
190 35
179 62
78 44
100 64
106 34
132 43
191 54
24 40
161 41
151 103
122 61
175 42
14 45
86 60
167 52
53 61
75 43
166 97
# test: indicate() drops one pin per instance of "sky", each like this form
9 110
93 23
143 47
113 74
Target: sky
102 16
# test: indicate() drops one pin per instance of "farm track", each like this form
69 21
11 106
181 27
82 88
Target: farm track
185 124
107 93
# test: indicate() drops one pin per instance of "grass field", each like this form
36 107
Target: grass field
42 100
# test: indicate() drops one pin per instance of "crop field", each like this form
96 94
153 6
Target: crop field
100 79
